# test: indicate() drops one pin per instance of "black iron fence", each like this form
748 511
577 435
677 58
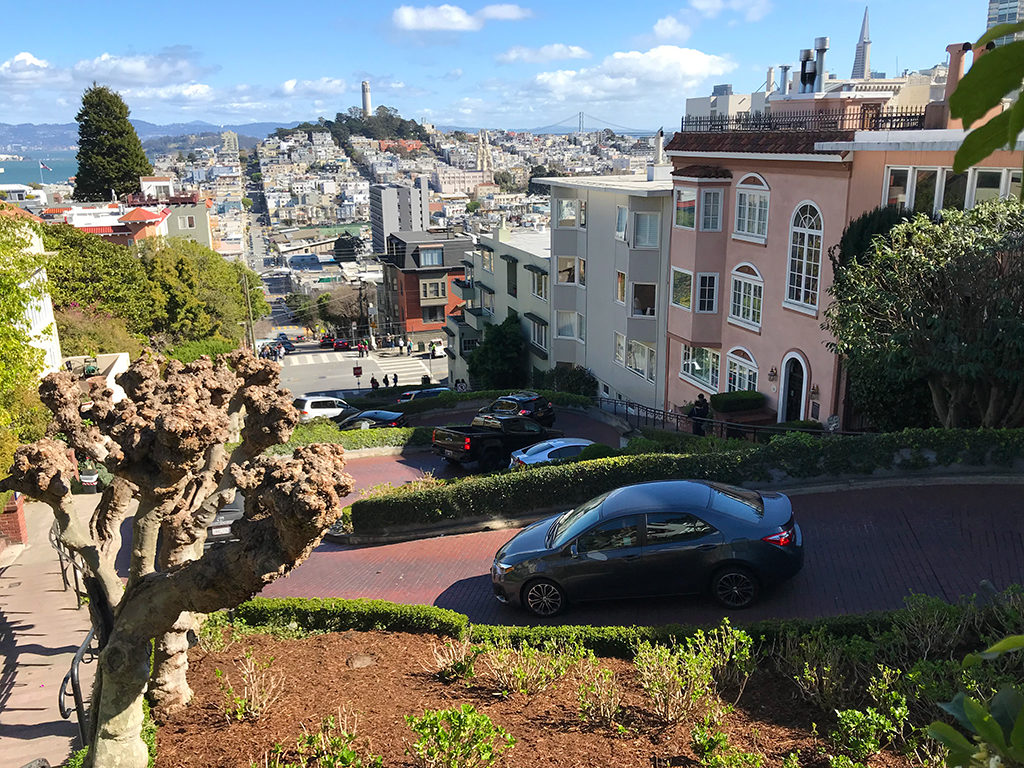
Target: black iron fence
638 416
861 118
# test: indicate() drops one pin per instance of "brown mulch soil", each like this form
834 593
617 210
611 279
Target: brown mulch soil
318 679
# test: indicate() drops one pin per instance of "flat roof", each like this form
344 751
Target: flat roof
531 241
636 184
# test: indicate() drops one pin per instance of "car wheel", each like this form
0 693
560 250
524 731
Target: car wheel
735 587
543 598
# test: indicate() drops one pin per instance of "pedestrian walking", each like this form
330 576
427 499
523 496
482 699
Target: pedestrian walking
408 348
699 411
386 385
374 384
401 345
394 379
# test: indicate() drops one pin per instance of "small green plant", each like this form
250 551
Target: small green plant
600 696
676 682
261 689
212 631
333 746
863 733
528 669
455 660
843 761
792 760
457 738
713 749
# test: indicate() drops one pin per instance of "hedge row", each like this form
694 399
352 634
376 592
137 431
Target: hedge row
789 456
326 431
337 615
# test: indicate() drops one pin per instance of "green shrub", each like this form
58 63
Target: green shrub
193 350
333 746
744 400
457 738
336 615
575 379
598 451
326 431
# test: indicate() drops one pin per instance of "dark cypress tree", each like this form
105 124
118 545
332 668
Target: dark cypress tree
110 155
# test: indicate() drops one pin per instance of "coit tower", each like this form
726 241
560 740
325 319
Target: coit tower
367 110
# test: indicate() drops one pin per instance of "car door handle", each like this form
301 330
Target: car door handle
706 547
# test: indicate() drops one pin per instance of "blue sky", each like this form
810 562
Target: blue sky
497 65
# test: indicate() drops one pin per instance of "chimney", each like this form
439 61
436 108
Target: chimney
821 46
785 79
956 66
769 82
979 52
805 60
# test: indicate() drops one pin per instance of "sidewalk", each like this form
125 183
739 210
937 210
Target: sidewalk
40 630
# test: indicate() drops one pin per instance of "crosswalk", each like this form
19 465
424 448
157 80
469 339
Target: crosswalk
318 358
409 369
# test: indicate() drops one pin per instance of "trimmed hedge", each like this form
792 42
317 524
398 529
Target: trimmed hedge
743 400
793 455
450 399
338 615
326 431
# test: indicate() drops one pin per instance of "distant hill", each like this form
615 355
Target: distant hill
57 136
164 144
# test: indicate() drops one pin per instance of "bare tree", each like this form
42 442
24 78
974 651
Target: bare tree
166 445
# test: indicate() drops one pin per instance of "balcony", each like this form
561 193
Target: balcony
464 289
477 317
867 117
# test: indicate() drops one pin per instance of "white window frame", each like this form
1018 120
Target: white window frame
539 331
687 354
657 230
756 190
432 250
625 287
714 293
487 302
675 210
1005 180
442 288
581 328
716 207
573 323
632 305
672 288
805 251
647 369
540 285
756 283
621 216
619 353
737 361
557 219
487 260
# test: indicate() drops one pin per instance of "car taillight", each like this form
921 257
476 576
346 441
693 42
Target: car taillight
783 538
393 424
305 413
465 445
524 412
433 436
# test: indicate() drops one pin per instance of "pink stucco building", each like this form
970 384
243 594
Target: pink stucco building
756 208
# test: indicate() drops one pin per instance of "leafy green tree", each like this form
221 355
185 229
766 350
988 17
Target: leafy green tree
500 360
304 308
340 308
943 301
540 171
110 155
87 271
91 332
247 203
472 206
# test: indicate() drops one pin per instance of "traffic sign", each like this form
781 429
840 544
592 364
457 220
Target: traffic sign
357 371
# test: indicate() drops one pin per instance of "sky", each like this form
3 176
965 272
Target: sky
494 65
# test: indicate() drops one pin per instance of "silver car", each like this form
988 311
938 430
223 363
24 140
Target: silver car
549 450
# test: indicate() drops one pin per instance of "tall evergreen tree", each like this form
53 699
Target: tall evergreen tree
110 155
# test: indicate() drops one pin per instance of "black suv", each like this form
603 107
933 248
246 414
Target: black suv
528 404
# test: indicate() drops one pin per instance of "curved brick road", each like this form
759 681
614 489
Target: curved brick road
866 549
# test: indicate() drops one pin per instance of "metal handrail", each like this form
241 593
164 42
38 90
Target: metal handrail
68 559
73 678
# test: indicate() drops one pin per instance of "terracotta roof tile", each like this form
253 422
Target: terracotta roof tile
107 230
138 215
759 142
703 172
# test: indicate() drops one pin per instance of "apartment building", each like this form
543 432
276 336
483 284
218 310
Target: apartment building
507 273
398 209
416 295
755 209
610 239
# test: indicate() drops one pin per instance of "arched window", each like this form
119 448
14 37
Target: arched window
752 194
742 370
746 297
804 256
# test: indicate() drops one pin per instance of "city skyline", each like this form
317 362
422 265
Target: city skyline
488 65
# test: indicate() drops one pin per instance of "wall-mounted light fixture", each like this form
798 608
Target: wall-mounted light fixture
814 392
773 374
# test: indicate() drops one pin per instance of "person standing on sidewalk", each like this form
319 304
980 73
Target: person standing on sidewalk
386 385
401 345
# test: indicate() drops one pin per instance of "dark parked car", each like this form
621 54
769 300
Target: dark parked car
341 345
373 419
528 404
490 440
419 394
326 342
219 531
660 538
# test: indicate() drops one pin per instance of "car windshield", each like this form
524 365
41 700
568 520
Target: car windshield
737 502
505 406
538 448
575 521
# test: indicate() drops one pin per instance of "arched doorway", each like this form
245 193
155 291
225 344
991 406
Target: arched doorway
793 390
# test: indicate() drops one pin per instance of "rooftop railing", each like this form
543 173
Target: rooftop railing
862 118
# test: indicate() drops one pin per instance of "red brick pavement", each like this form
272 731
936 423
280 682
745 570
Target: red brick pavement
866 549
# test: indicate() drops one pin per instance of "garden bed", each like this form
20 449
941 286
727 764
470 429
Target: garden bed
318 677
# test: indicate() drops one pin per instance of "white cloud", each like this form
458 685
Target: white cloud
454 18
453 74
186 92
324 86
504 12
666 72
751 10
670 28
169 66
551 52
26 69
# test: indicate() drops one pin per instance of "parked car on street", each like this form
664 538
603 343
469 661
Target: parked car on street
419 394
659 538
549 450
337 394
528 404
341 345
490 442
326 342
312 407
373 419
219 531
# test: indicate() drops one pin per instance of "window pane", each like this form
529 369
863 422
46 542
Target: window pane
566 269
621 216
620 348
682 288
897 187
986 186
954 190
1014 190
686 208
614 534
620 287
924 191
646 230
706 300
665 527
643 299
711 210
566 212
565 323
